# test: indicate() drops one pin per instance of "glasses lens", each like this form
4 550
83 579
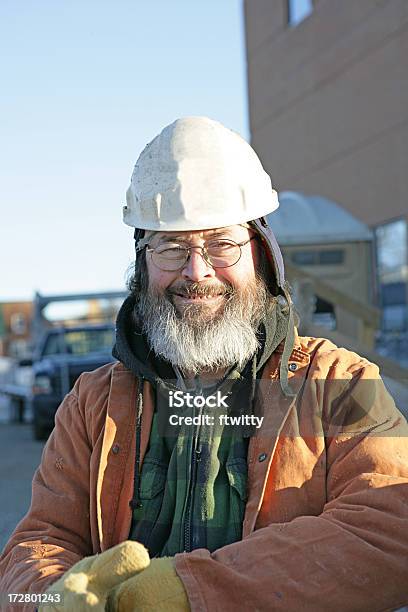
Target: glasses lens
223 253
219 253
169 256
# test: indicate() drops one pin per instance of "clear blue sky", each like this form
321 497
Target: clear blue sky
85 84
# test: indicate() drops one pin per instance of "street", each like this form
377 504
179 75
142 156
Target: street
20 456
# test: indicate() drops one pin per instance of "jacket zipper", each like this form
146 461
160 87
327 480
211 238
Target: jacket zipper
194 458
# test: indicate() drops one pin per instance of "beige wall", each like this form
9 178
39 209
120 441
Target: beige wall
328 101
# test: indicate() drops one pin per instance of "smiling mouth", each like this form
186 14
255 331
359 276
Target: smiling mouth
197 297
186 294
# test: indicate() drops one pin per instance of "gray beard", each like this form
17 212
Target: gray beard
198 340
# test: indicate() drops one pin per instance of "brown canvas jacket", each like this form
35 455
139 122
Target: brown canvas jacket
326 522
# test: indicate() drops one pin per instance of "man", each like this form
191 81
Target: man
303 504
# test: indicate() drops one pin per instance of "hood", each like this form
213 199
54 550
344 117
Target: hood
274 254
131 348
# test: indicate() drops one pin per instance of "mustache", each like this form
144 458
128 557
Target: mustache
189 289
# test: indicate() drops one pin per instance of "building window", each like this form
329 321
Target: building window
333 257
18 323
298 10
392 269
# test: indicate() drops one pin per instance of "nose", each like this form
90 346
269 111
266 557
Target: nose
196 268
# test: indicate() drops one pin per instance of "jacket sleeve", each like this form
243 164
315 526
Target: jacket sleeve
354 555
55 532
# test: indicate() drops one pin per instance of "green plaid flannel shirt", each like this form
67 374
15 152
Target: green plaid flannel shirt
192 488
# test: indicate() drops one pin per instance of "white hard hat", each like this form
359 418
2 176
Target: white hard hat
197 174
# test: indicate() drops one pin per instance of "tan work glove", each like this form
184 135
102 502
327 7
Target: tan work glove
86 585
158 589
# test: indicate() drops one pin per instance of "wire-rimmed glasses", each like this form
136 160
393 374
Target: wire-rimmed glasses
218 253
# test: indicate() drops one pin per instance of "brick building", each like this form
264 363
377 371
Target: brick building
328 107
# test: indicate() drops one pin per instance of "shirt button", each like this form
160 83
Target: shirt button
115 449
292 367
262 457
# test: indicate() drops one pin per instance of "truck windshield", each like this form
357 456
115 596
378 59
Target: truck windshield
79 342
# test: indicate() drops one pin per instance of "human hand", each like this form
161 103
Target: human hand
86 585
157 588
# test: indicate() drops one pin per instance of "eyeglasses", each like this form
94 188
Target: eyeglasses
221 253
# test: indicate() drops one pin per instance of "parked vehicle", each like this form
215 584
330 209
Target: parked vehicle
62 355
